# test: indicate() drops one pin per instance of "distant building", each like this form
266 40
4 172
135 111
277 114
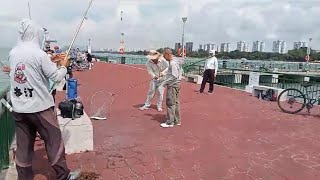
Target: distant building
189 47
299 44
218 48
213 47
258 46
279 47
200 47
207 47
225 47
243 46
177 47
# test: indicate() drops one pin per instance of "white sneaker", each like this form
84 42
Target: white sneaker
74 175
159 109
144 108
178 124
165 125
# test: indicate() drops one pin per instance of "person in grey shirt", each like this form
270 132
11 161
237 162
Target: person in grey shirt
173 79
33 105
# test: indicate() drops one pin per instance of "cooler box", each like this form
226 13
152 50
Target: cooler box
72 89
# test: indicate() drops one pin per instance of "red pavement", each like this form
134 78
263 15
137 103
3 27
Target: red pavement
229 135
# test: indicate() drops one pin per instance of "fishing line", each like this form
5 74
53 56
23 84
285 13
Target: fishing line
130 87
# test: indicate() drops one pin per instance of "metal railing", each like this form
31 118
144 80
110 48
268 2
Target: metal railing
234 75
256 65
7 131
136 60
239 78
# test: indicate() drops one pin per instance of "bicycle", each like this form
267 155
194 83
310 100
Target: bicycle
302 100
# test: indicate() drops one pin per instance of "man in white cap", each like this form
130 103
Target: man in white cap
210 72
157 67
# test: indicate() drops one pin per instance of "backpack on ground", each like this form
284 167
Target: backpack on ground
269 95
71 109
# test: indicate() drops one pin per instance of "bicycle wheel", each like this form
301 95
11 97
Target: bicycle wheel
291 101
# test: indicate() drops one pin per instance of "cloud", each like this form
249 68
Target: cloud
157 23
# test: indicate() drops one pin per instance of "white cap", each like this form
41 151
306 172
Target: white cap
213 52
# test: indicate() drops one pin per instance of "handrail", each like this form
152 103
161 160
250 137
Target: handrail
5 90
7 130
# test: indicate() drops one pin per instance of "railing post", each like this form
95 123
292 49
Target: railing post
233 77
6 159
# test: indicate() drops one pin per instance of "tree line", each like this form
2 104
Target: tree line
296 55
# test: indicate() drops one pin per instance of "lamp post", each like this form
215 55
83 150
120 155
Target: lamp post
184 19
308 50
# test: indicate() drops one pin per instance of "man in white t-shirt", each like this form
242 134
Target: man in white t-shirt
210 72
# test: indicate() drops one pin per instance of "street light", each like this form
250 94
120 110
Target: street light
184 19
309 49
308 54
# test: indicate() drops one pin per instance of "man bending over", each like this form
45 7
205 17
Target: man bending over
157 68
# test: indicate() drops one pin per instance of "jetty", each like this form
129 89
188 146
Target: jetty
228 135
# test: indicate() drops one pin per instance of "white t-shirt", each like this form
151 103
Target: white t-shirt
212 63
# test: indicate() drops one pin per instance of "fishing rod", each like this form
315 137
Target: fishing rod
74 38
29 10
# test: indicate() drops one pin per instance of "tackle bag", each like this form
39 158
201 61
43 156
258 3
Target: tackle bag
67 109
71 109
270 95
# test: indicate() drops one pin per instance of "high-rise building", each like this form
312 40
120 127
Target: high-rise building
207 47
189 47
213 47
200 47
177 47
218 48
299 44
258 46
225 47
279 47
243 46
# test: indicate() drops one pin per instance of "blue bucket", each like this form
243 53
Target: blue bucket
72 89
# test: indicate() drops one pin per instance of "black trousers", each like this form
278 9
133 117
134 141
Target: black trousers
208 75
46 123
54 92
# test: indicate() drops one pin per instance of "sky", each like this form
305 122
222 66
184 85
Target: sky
152 24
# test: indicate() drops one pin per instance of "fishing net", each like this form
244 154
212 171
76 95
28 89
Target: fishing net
101 102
